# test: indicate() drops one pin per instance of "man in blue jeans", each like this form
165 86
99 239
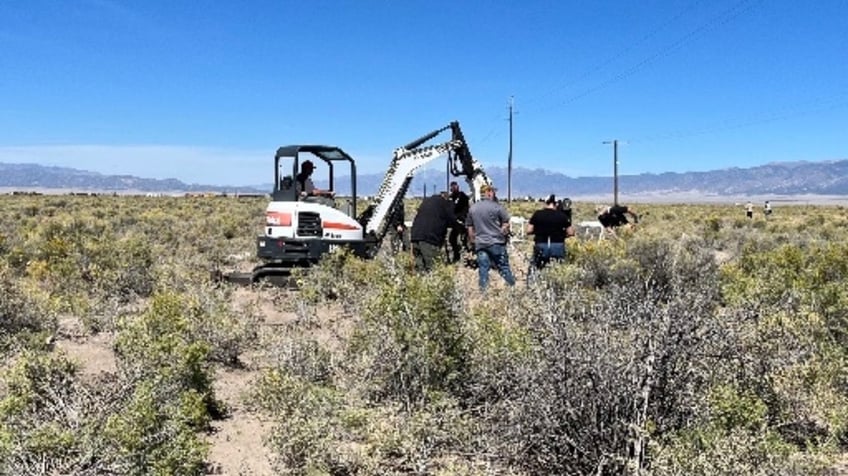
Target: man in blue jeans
488 229
549 227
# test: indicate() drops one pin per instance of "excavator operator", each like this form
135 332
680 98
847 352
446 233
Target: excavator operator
307 188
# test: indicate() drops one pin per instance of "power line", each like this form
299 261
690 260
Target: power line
722 18
495 130
603 64
827 104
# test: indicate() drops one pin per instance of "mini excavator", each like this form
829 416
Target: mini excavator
300 229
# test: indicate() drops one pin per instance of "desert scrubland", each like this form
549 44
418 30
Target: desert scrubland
699 343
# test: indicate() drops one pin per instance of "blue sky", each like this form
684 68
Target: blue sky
206 91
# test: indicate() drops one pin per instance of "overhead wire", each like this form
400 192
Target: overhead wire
820 105
620 54
722 18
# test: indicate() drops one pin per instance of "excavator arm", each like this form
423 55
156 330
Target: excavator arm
463 164
409 158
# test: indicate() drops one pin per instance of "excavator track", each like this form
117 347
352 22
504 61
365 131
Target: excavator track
280 276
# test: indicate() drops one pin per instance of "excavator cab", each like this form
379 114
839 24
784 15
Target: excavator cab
288 164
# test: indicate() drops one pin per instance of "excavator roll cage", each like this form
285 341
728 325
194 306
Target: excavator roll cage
285 182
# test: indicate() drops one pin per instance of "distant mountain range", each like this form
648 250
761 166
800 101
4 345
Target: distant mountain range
778 178
26 177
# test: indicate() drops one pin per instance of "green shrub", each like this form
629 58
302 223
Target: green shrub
410 336
152 436
34 430
24 321
718 453
160 346
732 409
324 430
52 423
608 374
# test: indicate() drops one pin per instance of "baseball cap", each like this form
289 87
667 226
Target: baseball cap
307 164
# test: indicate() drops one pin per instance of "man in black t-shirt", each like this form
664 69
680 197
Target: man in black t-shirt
549 227
429 228
458 238
615 216
398 236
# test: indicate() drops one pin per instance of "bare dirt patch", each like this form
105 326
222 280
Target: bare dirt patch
237 442
94 353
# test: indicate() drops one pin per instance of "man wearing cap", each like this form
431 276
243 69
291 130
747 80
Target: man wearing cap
429 228
549 227
488 229
307 188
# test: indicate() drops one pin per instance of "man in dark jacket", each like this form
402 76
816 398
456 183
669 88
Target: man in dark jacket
458 238
429 228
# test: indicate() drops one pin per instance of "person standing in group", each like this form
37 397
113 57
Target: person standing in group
749 210
458 238
429 228
767 209
549 227
398 236
488 229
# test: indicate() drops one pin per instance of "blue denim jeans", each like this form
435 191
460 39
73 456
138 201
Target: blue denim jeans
544 253
493 255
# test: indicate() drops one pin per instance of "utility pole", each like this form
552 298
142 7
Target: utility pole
509 159
614 170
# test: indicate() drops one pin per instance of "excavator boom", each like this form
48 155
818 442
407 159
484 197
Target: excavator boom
409 158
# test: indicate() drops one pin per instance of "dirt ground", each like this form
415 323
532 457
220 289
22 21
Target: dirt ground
237 442
237 446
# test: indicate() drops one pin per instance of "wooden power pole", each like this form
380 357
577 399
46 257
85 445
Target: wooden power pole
614 170
509 159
